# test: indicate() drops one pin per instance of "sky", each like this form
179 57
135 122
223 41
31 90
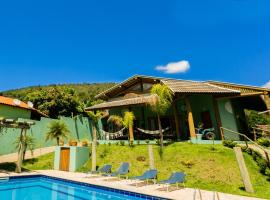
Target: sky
51 42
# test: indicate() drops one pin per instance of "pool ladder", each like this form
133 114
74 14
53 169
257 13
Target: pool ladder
215 194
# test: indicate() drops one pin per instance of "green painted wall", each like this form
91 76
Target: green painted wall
228 119
80 128
199 104
12 112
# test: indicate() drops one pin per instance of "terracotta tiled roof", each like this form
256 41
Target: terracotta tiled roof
176 85
20 104
14 102
183 86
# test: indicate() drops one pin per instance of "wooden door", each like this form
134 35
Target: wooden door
64 159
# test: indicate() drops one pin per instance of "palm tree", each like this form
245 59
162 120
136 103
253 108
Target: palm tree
95 117
161 104
116 120
57 130
29 143
128 122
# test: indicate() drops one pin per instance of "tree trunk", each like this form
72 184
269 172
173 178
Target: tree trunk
20 152
151 157
160 131
24 152
94 149
57 140
131 136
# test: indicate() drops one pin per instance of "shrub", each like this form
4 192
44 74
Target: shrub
188 163
104 153
138 142
157 141
229 143
122 142
141 158
264 141
147 141
117 143
253 119
262 164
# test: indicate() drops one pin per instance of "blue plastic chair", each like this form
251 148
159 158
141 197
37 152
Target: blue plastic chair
147 175
103 170
175 178
122 170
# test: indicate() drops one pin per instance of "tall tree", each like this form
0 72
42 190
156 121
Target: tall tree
95 117
57 130
161 104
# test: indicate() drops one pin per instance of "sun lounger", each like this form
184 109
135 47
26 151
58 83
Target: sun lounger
103 170
148 175
123 170
175 178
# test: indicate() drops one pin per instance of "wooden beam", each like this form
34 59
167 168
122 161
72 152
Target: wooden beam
190 119
243 169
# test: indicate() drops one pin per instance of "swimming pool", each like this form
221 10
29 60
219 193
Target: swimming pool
41 187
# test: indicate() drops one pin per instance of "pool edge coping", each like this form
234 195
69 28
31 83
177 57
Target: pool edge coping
117 190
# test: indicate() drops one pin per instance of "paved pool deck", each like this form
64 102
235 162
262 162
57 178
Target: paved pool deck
130 185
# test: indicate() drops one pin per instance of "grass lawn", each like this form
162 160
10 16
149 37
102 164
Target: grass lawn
205 168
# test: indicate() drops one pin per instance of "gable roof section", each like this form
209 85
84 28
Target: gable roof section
124 85
244 89
176 85
182 86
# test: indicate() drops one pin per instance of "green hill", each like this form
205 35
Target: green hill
62 99
206 168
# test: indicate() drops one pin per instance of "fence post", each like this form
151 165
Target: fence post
222 133
267 158
243 169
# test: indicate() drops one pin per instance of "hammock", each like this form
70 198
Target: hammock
110 136
156 132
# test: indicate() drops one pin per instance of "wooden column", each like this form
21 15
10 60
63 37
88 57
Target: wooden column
176 119
190 119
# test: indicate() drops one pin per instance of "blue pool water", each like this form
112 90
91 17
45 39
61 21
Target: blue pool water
47 188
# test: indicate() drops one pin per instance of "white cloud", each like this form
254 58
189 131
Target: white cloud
267 85
174 67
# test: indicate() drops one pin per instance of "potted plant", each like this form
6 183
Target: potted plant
73 142
85 143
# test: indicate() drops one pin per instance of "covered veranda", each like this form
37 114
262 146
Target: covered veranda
207 104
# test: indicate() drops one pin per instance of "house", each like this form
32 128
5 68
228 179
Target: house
211 103
14 109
